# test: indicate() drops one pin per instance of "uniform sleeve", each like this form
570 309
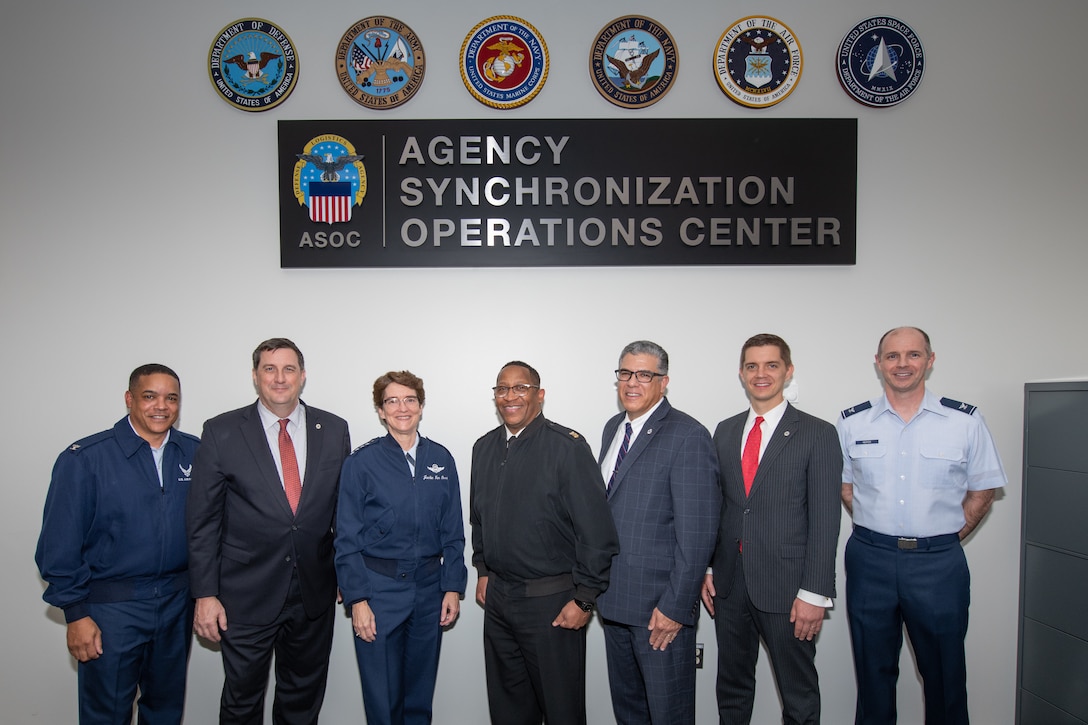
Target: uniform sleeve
69 511
595 537
984 469
352 575
454 573
478 558
847 470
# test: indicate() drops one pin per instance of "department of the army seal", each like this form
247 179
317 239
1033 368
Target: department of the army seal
253 65
758 61
633 61
880 62
504 62
380 62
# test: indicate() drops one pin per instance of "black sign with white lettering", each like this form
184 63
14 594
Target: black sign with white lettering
545 193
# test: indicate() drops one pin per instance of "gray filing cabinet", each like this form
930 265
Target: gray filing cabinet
1052 671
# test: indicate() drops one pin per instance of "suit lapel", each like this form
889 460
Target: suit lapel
314 443
254 435
781 438
650 429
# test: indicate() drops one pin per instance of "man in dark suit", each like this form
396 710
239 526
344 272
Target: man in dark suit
662 482
774 568
260 520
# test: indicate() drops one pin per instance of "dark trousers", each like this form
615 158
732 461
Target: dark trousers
739 627
535 672
648 686
928 589
301 647
145 644
398 669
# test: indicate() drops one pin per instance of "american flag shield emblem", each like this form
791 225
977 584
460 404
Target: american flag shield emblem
330 201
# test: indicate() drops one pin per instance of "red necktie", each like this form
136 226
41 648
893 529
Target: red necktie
292 484
749 460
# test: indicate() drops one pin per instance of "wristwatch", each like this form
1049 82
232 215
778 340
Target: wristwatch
584 606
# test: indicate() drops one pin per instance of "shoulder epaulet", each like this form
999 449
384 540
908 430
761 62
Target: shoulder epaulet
370 442
565 431
183 434
89 441
857 409
957 405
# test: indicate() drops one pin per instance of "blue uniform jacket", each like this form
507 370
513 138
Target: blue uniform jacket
110 533
385 513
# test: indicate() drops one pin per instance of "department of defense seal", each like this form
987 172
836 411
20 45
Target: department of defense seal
880 62
633 61
380 62
758 61
504 62
253 64
329 178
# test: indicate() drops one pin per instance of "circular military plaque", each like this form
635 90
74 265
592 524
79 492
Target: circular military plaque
504 62
253 65
380 62
633 61
758 61
880 62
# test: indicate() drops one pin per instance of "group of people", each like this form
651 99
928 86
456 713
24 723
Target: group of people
250 535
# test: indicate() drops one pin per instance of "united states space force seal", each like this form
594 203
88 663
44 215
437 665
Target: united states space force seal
758 61
504 62
253 65
633 61
880 62
380 62
329 178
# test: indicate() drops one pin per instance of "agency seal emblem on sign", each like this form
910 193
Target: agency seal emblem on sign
329 178
504 62
253 64
633 61
758 61
380 62
880 62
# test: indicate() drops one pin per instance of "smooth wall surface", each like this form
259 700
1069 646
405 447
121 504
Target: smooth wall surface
138 222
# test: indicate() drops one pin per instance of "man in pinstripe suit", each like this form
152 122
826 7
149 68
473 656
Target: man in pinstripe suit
774 567
662 480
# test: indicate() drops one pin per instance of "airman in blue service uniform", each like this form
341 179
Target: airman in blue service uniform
919 474
113 552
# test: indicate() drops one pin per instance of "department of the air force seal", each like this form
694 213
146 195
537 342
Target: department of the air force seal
880 62
253 64
379 62
329 178
757 61
504 62
633 61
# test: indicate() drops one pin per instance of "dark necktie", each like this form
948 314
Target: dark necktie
411 462
621 455
749 460
292 484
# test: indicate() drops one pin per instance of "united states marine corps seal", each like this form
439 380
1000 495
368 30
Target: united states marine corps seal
253 64
329 178
880 62
380 62
758 61
504 62
633 61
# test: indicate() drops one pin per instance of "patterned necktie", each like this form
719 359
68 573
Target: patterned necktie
292 484
411 462
749 460
620 456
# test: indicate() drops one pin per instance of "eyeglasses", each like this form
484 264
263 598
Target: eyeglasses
519 391
643 376
410 401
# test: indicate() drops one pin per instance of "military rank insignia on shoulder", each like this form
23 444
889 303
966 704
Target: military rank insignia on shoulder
957 405
857 409
370 442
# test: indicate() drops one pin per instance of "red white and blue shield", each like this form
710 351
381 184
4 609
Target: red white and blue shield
330 201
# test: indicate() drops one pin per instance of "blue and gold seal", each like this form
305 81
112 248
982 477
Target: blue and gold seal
633 61
253 65
758 61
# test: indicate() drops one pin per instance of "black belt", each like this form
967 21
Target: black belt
406 569
541 587
908 543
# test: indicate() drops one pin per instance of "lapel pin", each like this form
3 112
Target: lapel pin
786 433
649 431
318 427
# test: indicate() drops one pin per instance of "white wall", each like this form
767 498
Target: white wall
138 222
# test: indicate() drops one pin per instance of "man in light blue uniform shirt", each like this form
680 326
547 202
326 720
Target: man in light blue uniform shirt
919 474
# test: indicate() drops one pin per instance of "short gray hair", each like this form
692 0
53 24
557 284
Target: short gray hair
645 347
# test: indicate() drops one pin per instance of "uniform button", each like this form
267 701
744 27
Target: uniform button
294 528
902 502
287 559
